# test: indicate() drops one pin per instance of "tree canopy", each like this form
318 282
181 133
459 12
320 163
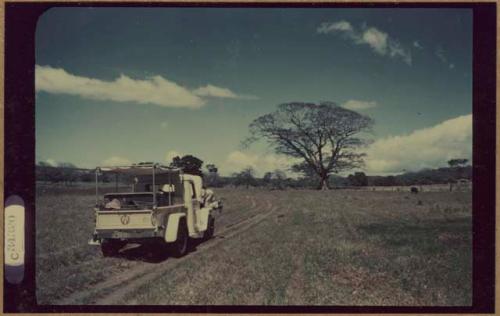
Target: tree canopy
212 178
459 162
245 177
189 164
358 179
322 137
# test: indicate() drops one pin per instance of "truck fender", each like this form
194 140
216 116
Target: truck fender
203 218
173 226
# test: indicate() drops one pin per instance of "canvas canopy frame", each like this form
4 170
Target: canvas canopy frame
152 169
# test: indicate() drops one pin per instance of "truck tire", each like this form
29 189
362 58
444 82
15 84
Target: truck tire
180 246
209 233
110 247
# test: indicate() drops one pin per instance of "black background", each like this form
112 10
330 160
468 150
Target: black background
19 171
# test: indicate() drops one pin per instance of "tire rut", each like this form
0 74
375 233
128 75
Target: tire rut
141 273
349 227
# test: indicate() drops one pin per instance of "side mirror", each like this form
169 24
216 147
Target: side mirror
168 188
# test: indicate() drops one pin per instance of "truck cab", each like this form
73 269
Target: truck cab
160 204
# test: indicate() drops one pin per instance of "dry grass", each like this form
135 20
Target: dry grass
316 248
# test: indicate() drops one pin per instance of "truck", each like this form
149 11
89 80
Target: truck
160 205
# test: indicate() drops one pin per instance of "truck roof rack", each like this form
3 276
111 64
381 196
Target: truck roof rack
139 169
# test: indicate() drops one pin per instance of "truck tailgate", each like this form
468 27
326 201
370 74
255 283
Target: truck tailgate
124 220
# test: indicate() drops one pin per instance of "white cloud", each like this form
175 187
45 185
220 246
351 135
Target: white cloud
116 161
238 160
213 91
52 162
326 27
171 154
396 50
441 55
359 105
376 39
425 148
417 44
153 90
380 42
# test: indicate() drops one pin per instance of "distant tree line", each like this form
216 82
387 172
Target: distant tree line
68 174
65 173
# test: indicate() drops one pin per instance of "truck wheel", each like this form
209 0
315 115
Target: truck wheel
209 233
110 247
179 247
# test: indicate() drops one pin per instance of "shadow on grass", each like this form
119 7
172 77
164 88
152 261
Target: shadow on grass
426 236
144 252
431 260
152 253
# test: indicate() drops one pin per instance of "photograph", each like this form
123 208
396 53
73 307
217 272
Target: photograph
255 156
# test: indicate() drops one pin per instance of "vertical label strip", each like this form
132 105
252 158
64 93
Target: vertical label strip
14 244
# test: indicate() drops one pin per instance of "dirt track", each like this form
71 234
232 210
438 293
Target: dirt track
114 288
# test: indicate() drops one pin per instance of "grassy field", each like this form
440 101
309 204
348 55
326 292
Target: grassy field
341 247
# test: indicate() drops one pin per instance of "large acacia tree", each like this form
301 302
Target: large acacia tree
324 137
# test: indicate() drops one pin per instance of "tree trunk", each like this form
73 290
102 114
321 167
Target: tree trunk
323 185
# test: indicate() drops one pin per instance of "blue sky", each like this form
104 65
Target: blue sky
119 85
